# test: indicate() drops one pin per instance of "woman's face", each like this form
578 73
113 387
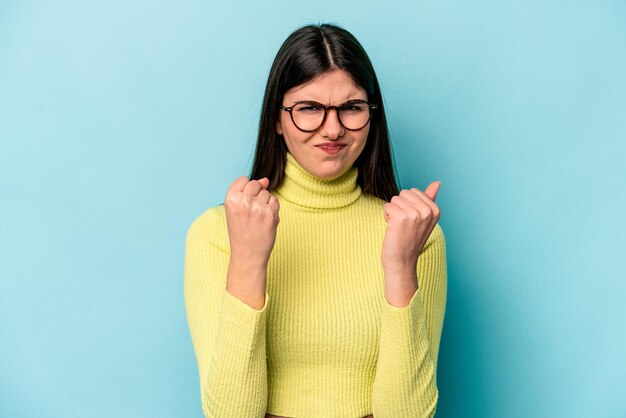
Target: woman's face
333 88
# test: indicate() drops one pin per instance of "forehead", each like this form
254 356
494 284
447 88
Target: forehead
336 86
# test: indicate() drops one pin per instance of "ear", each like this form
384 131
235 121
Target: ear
279 128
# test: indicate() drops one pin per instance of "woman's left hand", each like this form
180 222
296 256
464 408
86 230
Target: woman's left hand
411 217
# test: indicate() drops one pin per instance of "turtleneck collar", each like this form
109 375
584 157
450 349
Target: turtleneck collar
304 189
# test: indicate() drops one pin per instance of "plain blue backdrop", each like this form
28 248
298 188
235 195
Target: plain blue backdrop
122 121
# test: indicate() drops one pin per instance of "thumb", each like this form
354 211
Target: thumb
432 190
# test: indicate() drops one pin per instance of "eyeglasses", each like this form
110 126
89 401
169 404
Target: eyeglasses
309 116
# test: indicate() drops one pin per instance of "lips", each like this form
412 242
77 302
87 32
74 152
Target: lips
332 148
331 145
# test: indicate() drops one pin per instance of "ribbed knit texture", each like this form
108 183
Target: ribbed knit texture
327 343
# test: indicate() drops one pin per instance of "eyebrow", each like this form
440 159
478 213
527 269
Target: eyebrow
347 98
317 101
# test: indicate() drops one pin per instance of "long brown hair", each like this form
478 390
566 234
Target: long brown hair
307 53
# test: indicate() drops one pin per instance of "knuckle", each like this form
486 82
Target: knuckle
404 215
247 202
230 199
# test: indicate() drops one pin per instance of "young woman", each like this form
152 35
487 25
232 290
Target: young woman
335 307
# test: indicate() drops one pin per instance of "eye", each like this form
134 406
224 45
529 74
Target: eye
354 107
308 108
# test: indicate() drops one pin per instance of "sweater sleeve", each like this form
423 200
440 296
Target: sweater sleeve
405 384
228 335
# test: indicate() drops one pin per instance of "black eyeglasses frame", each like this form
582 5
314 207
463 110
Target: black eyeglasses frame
327 108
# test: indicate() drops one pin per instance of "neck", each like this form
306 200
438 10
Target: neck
304 189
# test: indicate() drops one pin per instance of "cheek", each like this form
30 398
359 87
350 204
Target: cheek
364 135
294 134
286 124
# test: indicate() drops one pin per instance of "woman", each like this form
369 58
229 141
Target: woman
336 307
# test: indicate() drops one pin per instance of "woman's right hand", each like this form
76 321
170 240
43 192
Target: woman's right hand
252 219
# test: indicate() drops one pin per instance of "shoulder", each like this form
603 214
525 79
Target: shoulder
209 217
437 234
209 227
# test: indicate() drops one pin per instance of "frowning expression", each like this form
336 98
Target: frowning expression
332 88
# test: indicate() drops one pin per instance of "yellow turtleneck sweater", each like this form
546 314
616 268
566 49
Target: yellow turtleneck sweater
327 343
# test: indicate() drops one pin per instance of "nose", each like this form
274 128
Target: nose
332 128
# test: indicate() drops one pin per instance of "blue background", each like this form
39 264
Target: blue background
121 122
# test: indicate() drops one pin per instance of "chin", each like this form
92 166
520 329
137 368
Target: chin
330 175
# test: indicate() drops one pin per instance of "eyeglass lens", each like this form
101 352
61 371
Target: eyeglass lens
309 116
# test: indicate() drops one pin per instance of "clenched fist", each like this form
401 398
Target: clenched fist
411 217
252 218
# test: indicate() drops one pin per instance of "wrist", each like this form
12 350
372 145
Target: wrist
246 274
405 270
245 263
400 293
401 279
247 283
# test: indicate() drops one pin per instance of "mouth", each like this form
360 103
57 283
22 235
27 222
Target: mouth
331 149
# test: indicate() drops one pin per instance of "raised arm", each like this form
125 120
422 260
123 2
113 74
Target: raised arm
228 335
405 384
226 259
